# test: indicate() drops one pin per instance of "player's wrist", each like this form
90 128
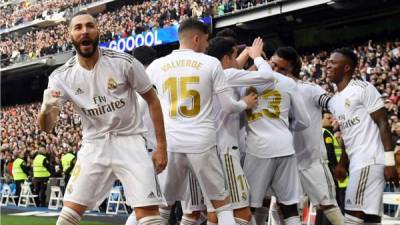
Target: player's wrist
45 108
389 158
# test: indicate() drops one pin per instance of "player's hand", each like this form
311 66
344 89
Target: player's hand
51 100
160 159
256 49
251 100
335 124
391 175
340 172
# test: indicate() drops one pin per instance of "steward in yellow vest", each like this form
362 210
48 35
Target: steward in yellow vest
68 161
41 175
334 152
20 172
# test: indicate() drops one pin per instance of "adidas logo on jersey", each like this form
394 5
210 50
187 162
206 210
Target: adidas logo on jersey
151 195
78 91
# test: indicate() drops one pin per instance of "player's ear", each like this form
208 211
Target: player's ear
347 68
196 38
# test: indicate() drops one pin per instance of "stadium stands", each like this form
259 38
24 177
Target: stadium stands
125 21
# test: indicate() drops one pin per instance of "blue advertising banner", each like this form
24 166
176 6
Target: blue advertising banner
151 38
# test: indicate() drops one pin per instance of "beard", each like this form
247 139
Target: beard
86 54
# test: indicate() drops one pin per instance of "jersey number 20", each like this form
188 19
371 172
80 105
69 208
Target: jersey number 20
177 87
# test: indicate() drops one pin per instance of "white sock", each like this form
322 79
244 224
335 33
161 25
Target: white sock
277 216
211 223
165 213
131 220
240 221
188 221
294 220
253 221
261 215
151 220
225 215
352 220
334 216
68 216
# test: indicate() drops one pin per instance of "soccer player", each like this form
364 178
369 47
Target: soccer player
102 84
228 125
186 81
311 156
270 160
361 114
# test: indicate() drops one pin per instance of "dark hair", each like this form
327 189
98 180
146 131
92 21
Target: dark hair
219 47
350 55
193 24
145 54
79 14
290 54
227 32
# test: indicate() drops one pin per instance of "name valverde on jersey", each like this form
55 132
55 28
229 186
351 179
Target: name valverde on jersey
111 86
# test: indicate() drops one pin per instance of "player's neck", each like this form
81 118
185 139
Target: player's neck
89 63
343 83
183 46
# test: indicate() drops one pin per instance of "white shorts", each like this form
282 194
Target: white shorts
237 184
207 168
101 162
318 184
365 190
280 174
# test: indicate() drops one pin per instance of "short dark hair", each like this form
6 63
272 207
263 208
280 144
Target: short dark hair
219 47
290 54
145 54
350 55
227 32
193 24
79 14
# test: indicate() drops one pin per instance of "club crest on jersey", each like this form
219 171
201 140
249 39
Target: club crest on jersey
347 103
111 83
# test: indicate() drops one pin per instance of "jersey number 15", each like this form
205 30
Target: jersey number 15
173 84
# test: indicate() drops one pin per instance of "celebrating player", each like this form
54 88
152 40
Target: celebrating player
102 84
315 177
186 81
361 114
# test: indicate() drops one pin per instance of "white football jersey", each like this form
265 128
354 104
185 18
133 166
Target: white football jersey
186 82
104 97
228 124
308 143
268 134
352 108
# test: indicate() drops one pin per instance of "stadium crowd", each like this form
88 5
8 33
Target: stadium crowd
379 64
125 21
27 11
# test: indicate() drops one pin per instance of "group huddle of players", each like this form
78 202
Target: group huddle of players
214 113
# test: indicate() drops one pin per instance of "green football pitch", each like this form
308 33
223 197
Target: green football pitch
35 220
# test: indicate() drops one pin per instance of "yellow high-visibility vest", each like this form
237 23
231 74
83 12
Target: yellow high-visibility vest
338 153
38 169
66 161
18 173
